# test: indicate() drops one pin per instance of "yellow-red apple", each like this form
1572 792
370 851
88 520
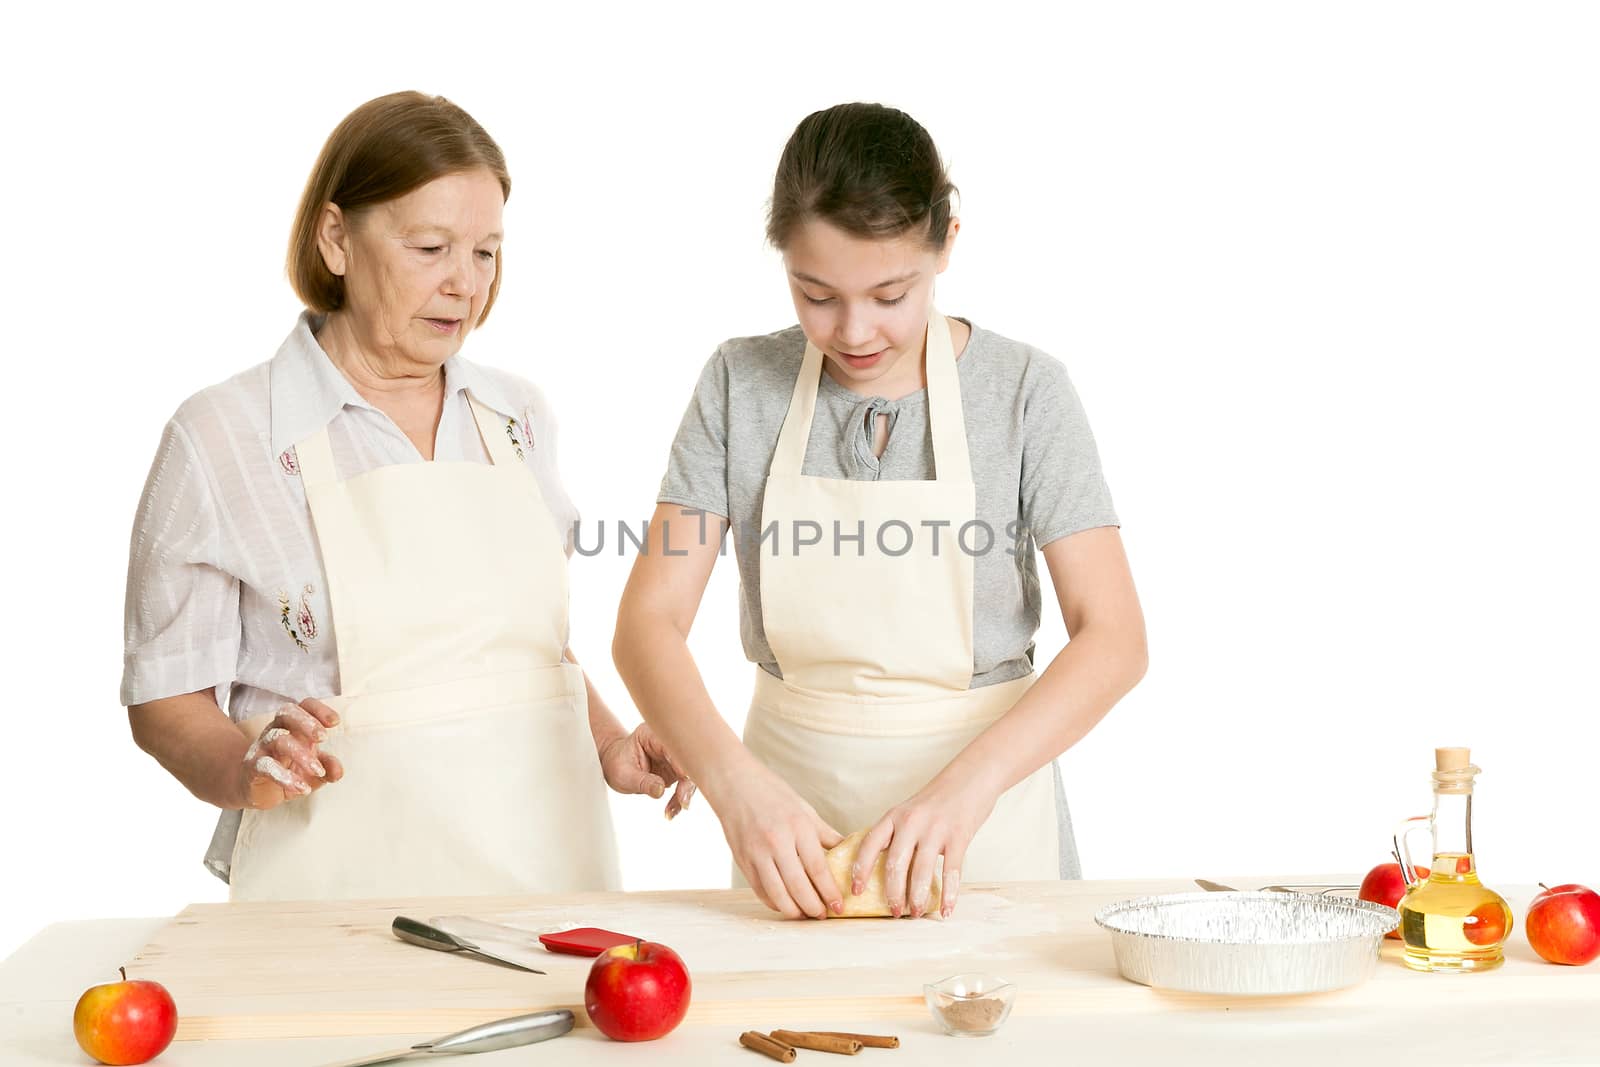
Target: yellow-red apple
125 1022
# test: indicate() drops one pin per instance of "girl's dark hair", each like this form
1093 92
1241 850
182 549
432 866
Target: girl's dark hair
870 170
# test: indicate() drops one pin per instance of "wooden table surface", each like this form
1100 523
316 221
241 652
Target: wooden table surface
356 989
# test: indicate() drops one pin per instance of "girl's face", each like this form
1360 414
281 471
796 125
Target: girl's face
864 302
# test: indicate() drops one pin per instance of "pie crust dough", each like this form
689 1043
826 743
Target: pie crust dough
872 903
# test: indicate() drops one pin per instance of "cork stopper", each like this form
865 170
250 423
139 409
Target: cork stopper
1453 770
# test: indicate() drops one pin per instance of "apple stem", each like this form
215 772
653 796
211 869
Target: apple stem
124 972
1544 887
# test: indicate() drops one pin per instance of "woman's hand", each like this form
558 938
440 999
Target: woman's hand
639 763
939 820
779 841
283 762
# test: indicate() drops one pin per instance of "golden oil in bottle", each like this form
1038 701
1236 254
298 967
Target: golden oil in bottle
1452 922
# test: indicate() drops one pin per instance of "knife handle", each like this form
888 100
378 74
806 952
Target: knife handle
420 933
504 1033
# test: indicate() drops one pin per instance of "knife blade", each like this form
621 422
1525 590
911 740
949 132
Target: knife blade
487 1037
420 933
1299 887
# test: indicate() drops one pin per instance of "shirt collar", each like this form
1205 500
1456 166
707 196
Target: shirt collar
460 374
308 391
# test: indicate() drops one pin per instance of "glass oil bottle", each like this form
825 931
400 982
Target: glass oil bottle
1450 921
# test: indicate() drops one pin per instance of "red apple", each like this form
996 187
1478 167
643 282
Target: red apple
1384 885
637 992
1488 924
125 1022
1564 924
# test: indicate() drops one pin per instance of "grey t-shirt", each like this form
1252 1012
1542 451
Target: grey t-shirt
1033 459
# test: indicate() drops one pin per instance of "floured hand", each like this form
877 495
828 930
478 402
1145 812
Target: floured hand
640 763
283 762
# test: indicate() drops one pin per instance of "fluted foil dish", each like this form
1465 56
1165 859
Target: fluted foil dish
1250 944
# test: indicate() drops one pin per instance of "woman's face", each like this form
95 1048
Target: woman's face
864 302
417 269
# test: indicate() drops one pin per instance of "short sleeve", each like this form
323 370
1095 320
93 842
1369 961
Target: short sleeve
181 626
697 468
1063 489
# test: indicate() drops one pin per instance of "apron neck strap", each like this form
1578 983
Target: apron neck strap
946 424
314 457
790 454
495 432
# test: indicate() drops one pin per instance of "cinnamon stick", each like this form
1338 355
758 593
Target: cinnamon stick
844 1046
777 1050
867 1040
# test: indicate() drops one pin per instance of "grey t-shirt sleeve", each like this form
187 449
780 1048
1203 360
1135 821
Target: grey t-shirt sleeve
1063 489
697 468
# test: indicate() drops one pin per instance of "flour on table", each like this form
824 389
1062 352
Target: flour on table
746 937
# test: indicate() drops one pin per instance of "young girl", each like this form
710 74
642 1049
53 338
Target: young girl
887 472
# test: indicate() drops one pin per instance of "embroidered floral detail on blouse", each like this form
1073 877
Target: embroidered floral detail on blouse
288 462
299 623
516 442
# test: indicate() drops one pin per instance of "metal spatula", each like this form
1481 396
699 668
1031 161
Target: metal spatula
502 1033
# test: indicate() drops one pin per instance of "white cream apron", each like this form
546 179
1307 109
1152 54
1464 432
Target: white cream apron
875 639
469 765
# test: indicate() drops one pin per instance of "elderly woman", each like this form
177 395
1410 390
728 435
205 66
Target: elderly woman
369 515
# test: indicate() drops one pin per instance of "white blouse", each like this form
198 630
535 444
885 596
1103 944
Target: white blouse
225 583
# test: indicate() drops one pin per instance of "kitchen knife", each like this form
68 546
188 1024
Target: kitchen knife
1321 888
420 933
502 1033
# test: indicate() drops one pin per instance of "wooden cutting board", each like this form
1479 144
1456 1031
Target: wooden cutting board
334 969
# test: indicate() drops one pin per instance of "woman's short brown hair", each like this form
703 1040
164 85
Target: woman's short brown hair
870 170
383 150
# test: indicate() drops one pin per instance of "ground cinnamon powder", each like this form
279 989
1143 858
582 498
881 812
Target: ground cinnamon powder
974 1013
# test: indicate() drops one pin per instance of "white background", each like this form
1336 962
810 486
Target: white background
1325 277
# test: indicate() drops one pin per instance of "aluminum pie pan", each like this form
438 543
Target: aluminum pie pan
1247 944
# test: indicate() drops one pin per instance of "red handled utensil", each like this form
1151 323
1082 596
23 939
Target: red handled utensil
584 941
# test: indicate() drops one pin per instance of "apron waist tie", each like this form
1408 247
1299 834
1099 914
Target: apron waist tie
872 716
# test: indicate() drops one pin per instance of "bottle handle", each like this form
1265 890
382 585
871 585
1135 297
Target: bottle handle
1402 849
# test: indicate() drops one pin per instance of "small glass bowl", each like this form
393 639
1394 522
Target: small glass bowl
970 1005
